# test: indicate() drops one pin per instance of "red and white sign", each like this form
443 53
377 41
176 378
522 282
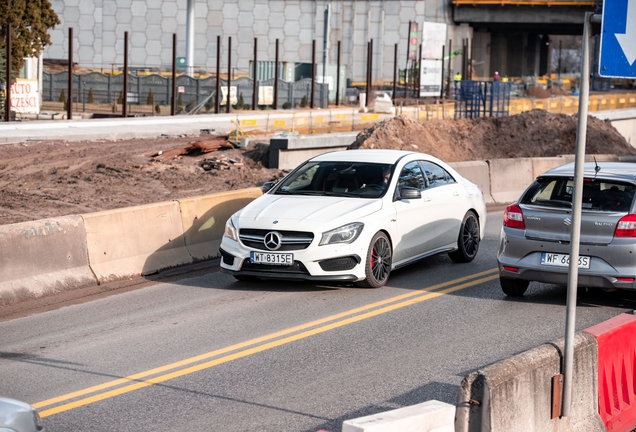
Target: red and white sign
25 96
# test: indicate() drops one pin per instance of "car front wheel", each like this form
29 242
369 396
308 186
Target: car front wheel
378 262
513 287
468 240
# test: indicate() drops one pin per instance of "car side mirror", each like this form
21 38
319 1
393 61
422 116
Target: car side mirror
267 186
407 193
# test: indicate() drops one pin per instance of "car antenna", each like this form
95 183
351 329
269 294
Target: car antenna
596 167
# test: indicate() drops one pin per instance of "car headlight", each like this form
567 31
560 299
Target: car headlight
345 234
230 230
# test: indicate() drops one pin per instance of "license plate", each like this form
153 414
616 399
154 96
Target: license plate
563 260
272 258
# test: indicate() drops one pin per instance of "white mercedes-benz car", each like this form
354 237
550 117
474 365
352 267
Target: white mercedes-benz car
355 216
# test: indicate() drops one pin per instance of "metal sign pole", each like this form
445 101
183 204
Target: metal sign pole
577 198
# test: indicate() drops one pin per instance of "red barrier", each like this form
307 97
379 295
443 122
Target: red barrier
616 340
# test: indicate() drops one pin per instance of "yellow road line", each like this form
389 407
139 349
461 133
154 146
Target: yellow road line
260 348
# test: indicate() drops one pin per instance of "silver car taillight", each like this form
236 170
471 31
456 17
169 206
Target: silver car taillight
626 227
513 217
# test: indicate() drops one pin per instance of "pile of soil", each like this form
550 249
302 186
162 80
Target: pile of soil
535 133
47 179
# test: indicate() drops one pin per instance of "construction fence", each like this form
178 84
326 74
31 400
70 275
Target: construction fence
107 89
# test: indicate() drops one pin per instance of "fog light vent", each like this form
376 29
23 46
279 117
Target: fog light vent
340 264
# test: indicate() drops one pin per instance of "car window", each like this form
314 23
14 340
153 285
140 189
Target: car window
435 174
598 194
412 176
330 178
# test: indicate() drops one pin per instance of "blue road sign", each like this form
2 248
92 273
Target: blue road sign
618 39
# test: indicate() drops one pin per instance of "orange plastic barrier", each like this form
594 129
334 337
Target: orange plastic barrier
616 340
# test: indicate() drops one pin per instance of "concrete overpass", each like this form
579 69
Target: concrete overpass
513 36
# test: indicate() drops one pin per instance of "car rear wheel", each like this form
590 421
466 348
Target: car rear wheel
378 263
513 287
468 240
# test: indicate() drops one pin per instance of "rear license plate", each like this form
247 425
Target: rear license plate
272 258
563 260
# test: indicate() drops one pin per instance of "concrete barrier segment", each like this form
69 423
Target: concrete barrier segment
509 178
431 416
477 172
616 340
203 219
543 164
590 158
288 152
42 257
515 395
135 241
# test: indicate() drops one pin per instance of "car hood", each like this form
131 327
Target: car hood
306 212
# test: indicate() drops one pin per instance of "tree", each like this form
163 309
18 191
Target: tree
91 98
31 21
151 98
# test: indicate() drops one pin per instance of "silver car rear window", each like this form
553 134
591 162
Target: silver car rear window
598 194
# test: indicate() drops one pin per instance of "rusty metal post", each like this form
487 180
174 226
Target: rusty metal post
229 73
69 101
276 78
441 93
370 71
313 73
338 76
255 69
7 102
367 79
125 79
217 100
419 73
395 56
173 90
450 57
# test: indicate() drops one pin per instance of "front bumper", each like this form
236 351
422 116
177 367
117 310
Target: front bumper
309 264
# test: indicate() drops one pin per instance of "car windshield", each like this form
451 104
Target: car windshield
598 194
348 179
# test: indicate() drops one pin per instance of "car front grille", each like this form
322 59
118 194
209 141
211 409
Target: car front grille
290 240
296 268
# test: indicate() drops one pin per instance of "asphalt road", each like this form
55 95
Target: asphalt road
208 353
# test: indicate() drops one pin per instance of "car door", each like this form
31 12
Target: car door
446 199
413 220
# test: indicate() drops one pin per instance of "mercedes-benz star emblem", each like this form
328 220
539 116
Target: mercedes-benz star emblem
272 240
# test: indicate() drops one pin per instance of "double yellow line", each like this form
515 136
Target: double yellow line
253 346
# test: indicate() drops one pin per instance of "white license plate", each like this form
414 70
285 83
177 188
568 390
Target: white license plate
563 260
272 258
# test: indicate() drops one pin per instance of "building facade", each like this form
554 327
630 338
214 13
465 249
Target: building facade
99 27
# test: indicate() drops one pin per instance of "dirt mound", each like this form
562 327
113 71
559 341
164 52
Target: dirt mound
49 179
530 134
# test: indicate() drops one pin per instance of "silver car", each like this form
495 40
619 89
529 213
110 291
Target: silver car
17 416
534 244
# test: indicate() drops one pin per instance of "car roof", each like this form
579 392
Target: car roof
608 170
366 155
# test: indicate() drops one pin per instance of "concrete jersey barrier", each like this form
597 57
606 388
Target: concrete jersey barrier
477 172
135 241
515 395
203 219
41 257
509 178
